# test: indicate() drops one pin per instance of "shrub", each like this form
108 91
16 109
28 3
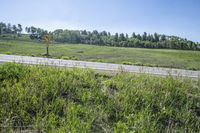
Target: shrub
127 63
8 53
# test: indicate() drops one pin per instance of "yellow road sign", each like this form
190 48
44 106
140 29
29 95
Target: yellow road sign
46 37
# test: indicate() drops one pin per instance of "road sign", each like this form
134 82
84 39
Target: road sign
46 38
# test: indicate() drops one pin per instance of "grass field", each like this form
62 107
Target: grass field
75 100
132 56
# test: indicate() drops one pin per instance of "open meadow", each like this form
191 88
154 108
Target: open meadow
182 59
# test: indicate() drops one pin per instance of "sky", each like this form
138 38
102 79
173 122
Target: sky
170 17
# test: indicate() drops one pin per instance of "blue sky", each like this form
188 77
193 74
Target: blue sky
171 17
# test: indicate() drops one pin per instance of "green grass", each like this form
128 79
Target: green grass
131 56
75 100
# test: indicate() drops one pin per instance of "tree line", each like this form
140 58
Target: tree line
124 40
10 29
105 38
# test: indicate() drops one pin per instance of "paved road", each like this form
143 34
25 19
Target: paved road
107 67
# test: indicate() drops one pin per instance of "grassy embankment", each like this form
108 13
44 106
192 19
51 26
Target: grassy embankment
63 100
132 56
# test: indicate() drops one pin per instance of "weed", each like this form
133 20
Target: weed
75 100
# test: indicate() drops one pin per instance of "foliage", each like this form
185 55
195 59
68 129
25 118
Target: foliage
75 100
119 40
104 38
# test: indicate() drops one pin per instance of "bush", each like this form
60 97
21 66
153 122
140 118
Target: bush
127 63
138 64
69 58
65 58
8 53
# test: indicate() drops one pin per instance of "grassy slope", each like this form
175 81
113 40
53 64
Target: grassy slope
150 57
62 100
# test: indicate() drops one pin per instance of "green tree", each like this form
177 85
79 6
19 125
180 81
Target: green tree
163 38
27 29
122 37
127 36
139 37
2 28
84 32
104 33
9 29
144 36
116 37
19 29
14 29
134 35
33 30
156 37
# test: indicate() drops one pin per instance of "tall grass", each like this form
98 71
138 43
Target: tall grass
75 100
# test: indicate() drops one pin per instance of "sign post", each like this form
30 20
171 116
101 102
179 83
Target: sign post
47 43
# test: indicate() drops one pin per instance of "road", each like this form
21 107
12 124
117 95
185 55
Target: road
106 67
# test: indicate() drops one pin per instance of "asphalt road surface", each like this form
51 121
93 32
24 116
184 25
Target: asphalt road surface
105 67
